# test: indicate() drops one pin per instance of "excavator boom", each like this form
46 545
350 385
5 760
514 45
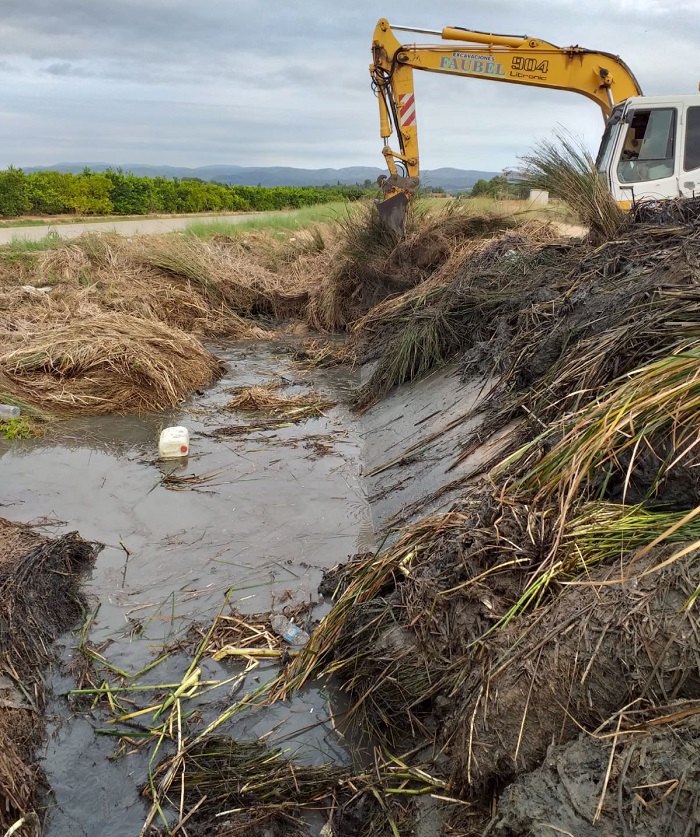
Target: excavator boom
600 76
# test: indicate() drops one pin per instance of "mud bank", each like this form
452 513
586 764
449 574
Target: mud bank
40 598
412 440
539 572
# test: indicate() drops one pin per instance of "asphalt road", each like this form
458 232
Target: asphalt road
145 226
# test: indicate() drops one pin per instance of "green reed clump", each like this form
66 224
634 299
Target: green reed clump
564 168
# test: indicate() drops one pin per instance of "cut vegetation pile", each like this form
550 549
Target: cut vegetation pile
40 598
268 400
559 594
103 365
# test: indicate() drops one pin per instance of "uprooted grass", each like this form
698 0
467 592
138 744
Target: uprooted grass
458 307
371 265
537 607
616 332
446 628
262 791
39 596
648 413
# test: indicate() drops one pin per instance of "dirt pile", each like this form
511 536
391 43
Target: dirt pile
40 598
561 591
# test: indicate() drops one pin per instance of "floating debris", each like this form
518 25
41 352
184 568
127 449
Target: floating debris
266 399
323 354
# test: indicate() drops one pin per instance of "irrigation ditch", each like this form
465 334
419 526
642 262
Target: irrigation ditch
464 463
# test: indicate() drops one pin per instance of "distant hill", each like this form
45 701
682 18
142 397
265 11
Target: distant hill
452 180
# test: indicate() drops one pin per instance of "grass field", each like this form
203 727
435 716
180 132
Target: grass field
281 221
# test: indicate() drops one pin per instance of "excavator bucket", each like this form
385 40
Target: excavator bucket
392 212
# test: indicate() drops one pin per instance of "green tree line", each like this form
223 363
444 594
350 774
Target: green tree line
116 192
498 187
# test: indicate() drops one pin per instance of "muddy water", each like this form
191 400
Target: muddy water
271 510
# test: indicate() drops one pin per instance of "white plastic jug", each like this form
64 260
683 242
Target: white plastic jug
174 442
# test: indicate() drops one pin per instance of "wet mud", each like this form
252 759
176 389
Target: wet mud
644 786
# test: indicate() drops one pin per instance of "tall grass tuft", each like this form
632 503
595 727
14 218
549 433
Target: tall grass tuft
425 343
607 531
635 414
565 169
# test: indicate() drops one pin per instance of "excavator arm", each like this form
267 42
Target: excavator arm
599 76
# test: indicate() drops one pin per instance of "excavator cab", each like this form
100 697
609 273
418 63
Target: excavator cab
650 150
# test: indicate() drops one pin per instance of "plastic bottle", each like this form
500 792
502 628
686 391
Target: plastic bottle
290 632
9 411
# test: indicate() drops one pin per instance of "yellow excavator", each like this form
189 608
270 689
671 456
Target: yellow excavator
650 148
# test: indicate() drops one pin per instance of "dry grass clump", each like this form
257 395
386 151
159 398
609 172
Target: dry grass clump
238 634
652 408
263 792
20 776
167 278
266 399
224 274
322 354
108 364
14 539
234 774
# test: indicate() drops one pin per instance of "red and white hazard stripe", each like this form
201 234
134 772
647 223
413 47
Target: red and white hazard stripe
407 110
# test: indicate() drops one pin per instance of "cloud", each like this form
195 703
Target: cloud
251 82
65 68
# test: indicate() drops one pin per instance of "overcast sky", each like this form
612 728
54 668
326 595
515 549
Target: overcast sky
265 82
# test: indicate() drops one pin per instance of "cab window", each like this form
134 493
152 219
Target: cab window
647 153
609 140
691 159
